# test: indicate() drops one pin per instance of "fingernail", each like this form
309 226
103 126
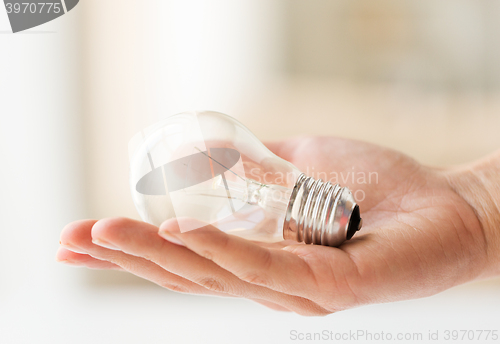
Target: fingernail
170 237
105 244
72 248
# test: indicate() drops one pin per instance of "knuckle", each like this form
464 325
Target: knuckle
224 242
173 287
221 246
255 278
259 276
207 255
214 285
266 259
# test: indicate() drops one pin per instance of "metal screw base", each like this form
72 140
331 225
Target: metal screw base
321 213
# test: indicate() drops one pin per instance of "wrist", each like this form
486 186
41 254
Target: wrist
479 185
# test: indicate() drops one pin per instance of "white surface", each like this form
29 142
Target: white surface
60 310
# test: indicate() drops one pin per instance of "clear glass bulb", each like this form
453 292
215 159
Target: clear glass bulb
208 166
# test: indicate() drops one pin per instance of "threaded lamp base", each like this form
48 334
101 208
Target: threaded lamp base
321 213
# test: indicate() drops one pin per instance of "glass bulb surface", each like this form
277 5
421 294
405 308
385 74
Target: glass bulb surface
208 166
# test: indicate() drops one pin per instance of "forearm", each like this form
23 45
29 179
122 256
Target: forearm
479 185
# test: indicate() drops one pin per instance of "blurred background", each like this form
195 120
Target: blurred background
419 76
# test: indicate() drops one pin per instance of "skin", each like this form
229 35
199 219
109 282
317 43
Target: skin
425 230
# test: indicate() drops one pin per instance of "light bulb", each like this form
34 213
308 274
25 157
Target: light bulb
210 167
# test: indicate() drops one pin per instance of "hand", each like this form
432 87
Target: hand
419 237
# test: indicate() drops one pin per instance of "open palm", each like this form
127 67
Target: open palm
419 238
